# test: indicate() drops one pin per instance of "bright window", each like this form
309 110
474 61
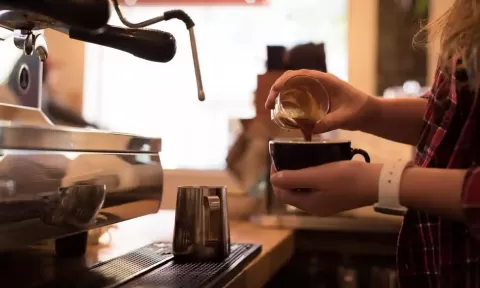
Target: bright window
127 94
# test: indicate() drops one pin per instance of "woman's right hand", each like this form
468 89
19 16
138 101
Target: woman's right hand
350 109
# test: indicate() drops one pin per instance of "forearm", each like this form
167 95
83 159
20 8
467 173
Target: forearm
435 191
399 120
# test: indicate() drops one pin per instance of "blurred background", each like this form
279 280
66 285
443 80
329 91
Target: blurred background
367 42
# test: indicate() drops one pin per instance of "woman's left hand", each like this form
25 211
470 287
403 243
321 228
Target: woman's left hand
335 187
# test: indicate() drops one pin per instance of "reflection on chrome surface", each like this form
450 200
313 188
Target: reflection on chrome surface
77 206
49 193
57 181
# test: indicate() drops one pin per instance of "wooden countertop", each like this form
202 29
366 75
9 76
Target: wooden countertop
277 248
113 241
277 244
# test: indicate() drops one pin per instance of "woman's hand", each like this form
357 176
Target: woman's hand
350 109
336 187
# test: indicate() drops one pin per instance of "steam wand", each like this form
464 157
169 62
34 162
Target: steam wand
151 45
173 14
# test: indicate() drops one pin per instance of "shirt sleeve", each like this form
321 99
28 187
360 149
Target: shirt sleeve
471 200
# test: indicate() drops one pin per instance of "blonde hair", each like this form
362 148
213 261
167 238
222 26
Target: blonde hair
459 31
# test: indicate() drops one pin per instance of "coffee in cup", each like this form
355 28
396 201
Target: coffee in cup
296 154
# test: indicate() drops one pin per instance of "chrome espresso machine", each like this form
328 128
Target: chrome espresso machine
59 182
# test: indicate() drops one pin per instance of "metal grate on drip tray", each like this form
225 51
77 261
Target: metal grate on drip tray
155 266
119 270
198 274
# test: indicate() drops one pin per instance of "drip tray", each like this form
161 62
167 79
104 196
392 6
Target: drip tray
155 266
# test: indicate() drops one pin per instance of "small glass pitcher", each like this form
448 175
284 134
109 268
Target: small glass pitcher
301 99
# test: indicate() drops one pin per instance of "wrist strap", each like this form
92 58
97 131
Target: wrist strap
389 188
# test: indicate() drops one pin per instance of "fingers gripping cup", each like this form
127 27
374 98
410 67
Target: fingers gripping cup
297 154
301 103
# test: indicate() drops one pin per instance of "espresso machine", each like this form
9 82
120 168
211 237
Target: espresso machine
59 182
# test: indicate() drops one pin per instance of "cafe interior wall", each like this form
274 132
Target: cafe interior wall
361 70
382 150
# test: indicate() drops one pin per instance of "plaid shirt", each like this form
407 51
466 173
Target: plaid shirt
433 251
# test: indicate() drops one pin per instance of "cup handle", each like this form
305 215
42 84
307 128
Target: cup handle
361 152
212 207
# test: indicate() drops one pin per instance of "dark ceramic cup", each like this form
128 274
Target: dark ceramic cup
299 154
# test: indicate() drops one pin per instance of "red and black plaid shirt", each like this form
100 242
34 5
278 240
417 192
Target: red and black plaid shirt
433 251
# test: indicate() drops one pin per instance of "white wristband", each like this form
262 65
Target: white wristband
389 188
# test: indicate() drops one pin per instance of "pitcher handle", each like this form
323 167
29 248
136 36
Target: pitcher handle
213 216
